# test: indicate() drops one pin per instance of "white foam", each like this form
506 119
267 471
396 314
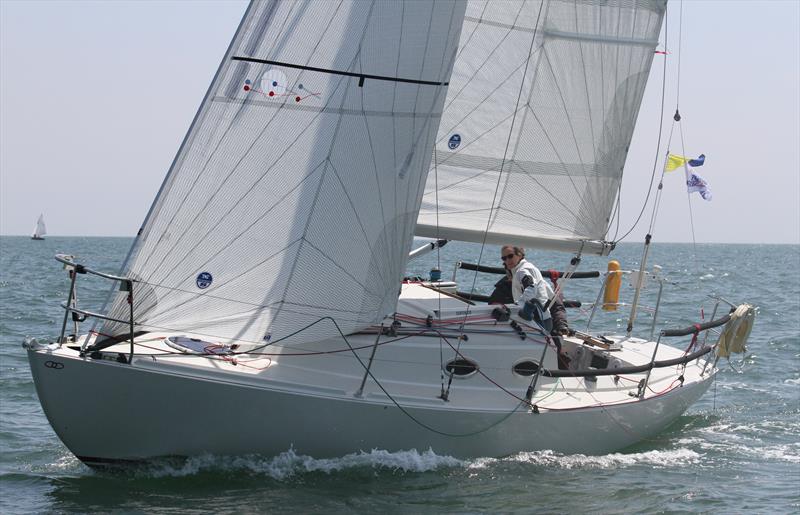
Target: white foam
289 463
747 439
482 463
790 453
743 386
675 457
65 464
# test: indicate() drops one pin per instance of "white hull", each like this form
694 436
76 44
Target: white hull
182 405
105 411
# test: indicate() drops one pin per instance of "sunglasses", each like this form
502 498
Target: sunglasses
507 257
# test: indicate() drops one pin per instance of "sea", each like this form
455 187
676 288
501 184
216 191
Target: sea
737 450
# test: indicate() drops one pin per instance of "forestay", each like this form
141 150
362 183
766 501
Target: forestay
296 190
537 122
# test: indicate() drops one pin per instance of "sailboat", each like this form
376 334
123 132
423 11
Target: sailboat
40 230
263 305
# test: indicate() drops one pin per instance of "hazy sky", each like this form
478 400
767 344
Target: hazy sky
95 98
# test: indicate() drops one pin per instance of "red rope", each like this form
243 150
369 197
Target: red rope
553 278
697 330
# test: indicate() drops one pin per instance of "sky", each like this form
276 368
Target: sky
96 97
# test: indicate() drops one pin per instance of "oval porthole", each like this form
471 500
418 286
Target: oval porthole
526 367
461 368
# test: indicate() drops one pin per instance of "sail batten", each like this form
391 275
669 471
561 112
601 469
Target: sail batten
340 72
599 38
556 184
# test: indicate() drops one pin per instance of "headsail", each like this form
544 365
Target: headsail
538 118
295 193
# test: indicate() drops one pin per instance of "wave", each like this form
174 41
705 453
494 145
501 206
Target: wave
737 451
289 464
786 452
655 458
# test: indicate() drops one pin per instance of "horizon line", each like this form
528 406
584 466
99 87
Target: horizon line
621 242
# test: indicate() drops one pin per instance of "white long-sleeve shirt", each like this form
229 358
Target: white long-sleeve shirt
539 288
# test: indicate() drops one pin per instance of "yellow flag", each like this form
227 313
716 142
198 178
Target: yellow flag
674 162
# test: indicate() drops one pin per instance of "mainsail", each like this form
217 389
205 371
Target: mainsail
295 193
537 122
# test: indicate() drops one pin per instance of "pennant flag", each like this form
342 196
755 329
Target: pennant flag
674 162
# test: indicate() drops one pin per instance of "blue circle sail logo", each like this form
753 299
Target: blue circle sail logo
204 280
454 141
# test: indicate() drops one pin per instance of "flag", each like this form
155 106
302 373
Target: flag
674 162
697 162
695 183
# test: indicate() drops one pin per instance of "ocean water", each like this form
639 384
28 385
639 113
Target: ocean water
736 450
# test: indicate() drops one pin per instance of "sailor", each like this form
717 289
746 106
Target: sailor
532 293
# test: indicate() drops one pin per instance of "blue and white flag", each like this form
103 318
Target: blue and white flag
698 162
695 183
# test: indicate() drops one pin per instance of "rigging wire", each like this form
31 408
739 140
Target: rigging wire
500 174
617 211
522 401
683 145
680 41
406 412
677 118
691 213
438 262
660 131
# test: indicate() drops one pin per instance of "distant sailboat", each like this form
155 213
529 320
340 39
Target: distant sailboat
40 230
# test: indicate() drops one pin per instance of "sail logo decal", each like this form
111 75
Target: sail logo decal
204 280
57 365
454 141
274 85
